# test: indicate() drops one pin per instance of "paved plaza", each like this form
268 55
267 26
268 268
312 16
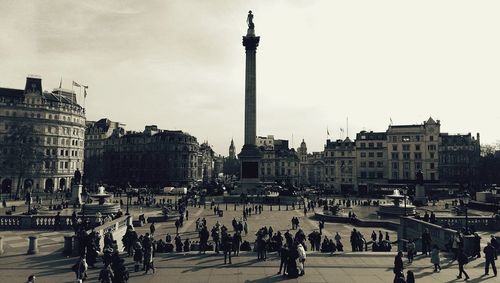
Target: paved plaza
50 266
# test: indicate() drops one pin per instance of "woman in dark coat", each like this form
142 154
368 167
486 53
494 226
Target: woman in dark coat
292 270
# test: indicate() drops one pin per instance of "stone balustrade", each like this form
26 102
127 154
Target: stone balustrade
33 222
480 223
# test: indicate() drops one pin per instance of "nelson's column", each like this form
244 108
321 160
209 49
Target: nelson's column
250 155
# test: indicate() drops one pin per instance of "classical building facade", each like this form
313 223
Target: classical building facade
96 134
49 149
459 157
340 165
412 148
371 159
154 158
382 161
279 163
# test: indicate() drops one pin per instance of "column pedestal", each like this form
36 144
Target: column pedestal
33 245
76 194
420 194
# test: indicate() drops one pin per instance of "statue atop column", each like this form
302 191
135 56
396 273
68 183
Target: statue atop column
420 177
251 25
77 177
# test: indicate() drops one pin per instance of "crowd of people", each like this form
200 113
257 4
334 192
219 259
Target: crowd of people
290 246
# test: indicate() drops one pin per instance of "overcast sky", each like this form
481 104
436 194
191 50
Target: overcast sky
180 64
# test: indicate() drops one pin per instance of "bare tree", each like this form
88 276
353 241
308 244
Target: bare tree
24 156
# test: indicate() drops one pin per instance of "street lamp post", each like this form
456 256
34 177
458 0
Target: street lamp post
128 200
494 195
465 200
405 192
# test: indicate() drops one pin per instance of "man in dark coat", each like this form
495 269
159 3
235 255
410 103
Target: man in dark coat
426 241
462 261
398 264
284 259
490 256
227 243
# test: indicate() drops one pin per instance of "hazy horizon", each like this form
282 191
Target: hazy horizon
180 64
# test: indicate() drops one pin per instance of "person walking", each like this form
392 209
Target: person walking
301 259
237 243
435 259
227 243
462 261
410 277
80 268
426 241
490 256
245 228
283 259
476 246
410 247
398 264
152 229
148 260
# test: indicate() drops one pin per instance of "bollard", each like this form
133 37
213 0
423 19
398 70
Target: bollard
287 206
234 206
226 206
271 207
1 245
68 245
33 245
204 205
279 207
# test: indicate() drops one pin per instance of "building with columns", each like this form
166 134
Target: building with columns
52 143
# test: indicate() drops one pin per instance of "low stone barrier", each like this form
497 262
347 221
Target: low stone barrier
33 222
386 224
412 228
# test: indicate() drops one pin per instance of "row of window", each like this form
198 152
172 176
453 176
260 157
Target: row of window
372 154
416 138
31 114
64 152
63 141
407 155
371 175
371 164
407 175
406 165
371 145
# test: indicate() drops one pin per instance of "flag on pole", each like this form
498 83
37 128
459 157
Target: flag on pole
327 132
342 130
76 84
85 93
60 83
390 119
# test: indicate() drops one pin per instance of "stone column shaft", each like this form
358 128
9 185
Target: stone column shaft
250 99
